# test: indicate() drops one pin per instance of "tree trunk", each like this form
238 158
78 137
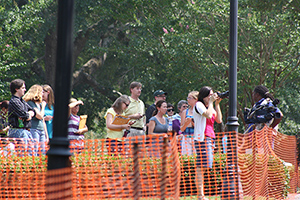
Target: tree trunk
50 57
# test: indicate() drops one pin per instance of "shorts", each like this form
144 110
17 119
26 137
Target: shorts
205 152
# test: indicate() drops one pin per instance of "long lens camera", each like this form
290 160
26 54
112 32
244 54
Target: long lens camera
223 95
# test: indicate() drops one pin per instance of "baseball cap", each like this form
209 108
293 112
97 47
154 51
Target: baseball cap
159 92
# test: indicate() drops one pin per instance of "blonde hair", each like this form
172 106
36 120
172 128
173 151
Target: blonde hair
34 94
194 94
50 102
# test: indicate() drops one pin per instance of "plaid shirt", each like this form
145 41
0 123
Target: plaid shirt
18 109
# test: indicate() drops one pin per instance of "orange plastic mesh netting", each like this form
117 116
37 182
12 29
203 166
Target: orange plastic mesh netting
154 167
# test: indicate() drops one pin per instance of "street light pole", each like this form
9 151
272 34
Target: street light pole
59 153
232 183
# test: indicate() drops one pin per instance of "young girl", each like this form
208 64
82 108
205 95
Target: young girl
75 135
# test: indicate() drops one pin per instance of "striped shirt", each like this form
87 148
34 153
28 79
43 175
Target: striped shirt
18 109
73 126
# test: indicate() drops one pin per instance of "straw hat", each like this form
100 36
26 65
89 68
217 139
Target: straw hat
74 102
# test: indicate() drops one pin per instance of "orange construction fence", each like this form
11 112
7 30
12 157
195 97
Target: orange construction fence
261 164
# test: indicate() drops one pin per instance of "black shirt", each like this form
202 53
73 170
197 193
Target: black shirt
149 112
18 109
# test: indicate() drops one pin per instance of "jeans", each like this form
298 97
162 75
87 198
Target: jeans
24 141
39 141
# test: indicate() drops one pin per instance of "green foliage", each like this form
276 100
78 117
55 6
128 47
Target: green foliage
177 46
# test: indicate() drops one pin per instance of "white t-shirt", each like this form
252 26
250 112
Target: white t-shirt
200 121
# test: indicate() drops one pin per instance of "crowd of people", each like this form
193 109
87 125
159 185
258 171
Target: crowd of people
30 116
193 124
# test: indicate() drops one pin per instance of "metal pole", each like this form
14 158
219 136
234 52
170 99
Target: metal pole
136 172
232 191
58 154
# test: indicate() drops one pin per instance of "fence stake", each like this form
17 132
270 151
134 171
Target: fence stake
164 169
136 172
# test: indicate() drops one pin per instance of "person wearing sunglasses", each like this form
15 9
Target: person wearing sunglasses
115 132
187 125
181 106
170 114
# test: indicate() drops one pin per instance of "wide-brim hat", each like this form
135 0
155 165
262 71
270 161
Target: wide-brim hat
74 102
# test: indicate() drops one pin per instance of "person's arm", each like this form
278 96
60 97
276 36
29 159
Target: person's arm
276 120
4 130
183 117
151 126
17 107
135 116
218 111
40 114
184 121
210 109
109 125
46 132
82 131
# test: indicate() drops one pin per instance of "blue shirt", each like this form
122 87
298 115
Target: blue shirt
49 124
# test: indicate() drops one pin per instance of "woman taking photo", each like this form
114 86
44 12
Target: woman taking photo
205 116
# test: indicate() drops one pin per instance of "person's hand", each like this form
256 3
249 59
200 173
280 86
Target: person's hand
213 97
44 104
132 122
188 120
48 118
179 137
218 100
125 126
6 129
137 116
79 132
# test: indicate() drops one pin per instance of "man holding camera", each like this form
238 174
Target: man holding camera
265 103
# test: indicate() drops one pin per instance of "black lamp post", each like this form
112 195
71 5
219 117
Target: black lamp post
58 154
231 190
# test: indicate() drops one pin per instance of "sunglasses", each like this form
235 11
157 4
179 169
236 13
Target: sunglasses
169 110
126 104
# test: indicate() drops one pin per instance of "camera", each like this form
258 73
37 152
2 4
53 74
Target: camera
223 95
261 113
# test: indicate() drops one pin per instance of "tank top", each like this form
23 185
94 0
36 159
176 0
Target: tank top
188 130
209 129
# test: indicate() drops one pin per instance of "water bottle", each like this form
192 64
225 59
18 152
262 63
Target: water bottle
21 124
